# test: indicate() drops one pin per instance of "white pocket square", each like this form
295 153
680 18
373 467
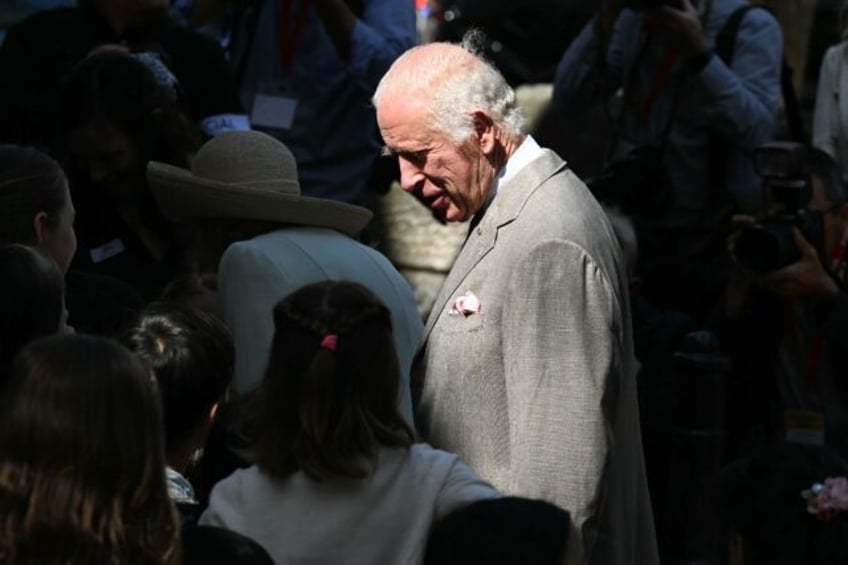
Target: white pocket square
466 305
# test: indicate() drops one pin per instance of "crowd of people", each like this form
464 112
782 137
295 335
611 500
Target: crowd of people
203 360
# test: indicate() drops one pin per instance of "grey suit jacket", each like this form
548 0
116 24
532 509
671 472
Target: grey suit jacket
537 391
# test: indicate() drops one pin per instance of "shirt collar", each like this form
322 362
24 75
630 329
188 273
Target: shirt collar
528 151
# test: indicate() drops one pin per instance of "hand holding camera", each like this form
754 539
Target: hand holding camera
782 249
806 277
682 28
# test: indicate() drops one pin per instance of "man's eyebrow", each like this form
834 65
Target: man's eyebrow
411 154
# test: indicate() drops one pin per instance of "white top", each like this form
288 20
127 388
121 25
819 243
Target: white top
830 115
383 519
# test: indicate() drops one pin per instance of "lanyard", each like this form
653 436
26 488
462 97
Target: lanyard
660 80
659 83
289 38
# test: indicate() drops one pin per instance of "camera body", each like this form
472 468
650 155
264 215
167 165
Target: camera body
769 244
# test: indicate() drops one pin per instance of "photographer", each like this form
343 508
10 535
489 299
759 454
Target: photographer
787 305
693 87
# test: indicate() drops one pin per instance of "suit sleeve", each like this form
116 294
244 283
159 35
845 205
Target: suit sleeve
562 355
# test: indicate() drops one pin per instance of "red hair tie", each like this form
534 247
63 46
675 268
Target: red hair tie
330 341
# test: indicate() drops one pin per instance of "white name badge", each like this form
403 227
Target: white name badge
107 250
273 111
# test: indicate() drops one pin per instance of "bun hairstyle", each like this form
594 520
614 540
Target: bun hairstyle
330 393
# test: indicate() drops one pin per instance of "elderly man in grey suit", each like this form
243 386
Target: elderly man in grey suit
527 368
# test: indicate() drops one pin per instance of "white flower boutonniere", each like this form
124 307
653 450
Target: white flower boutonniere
466 305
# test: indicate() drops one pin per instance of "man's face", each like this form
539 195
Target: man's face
453 181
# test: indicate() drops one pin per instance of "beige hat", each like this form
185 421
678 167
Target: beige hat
248 175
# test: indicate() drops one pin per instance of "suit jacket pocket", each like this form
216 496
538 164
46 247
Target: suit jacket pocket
458 324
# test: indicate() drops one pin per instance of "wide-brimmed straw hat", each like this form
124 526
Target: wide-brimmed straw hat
247 175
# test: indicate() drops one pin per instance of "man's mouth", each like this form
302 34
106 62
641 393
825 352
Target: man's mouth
439 202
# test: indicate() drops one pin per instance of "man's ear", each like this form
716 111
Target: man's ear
39 226
484 130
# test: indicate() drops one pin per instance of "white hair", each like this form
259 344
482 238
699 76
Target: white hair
457 81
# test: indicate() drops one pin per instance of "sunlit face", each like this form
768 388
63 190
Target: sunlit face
60 240
453 181
109 158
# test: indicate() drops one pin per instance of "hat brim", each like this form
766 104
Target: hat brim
181 194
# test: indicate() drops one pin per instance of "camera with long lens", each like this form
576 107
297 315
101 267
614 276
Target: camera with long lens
769 244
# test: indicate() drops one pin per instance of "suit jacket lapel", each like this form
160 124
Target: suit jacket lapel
503 210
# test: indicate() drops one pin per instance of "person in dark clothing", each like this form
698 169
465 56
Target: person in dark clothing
31 300
39 51
115 117
36 209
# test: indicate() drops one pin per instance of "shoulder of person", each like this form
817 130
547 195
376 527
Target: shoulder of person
232 490
434 461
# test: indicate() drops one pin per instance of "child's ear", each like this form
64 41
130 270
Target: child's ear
40 227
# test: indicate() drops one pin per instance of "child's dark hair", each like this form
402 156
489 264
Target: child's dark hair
30 182
32 288
191 354
760 501
331 388
501 531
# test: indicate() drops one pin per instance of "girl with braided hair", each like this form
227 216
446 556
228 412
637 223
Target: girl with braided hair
334 461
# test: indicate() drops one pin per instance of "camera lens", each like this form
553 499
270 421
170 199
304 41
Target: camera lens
767 246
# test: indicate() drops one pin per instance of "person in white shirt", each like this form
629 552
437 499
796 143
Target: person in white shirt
337 475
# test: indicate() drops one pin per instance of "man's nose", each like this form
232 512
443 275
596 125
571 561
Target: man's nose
410 176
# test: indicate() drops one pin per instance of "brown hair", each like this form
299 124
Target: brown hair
30 182
327 409
82 469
